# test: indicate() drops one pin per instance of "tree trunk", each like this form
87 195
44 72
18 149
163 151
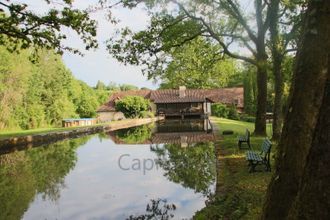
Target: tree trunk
313 200
278 102
276 49
260 123
303 112
261 58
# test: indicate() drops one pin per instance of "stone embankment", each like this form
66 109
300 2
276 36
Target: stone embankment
12 143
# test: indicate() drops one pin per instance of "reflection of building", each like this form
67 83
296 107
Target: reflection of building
181 132
180 102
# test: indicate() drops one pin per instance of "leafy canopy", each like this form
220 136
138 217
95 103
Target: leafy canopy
21 27
132 106
197 65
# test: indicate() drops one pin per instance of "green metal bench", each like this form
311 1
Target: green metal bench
244 139
262 158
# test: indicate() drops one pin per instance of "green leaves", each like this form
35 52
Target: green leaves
198 64
132 106
23 28
42 93
150 48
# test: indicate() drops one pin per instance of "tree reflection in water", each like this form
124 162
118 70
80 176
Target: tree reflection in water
23 174
193 166
156 209
135 135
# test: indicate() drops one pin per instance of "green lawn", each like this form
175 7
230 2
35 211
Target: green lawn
240 194
237 126
16 133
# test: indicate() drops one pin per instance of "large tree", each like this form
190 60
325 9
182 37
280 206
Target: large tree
198 65
22 27
284 26
300 186
222 22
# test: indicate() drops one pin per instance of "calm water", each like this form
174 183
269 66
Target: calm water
165 170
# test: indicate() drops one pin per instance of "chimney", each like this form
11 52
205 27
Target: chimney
182 91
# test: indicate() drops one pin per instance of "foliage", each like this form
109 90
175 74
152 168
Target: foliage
132 106
146 114
199 65
21 27
156 209
41 94
112 86
134 135
127 87
220 110
224 111
232 113
100 85
192 167
23 174
250 89
228 23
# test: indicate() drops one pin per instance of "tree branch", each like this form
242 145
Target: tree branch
216 37
238 15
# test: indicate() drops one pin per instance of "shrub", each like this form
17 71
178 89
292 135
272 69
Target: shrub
224 111
220 110
232 113
132 106
146 114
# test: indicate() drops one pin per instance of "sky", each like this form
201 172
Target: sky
98 64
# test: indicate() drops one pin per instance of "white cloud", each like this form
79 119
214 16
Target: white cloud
99 65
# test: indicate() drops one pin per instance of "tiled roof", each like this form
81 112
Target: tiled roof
172 96
224 95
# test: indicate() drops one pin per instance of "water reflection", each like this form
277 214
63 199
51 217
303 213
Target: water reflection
179 132
192 167
65 181
156 209
23 174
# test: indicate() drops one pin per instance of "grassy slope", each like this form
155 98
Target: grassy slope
240 194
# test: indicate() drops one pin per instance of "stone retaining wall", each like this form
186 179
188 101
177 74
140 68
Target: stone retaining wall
12 143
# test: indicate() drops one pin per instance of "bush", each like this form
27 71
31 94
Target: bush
132 106
232 113
223 111
146 114
220 110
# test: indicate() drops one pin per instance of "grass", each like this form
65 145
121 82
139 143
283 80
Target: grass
239 194
18 133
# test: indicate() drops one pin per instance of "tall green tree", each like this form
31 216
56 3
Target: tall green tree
222 22
284 27
198 64
41 94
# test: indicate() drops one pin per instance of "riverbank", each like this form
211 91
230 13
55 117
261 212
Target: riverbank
239 194
11 140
